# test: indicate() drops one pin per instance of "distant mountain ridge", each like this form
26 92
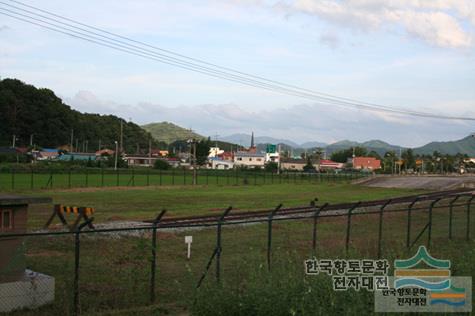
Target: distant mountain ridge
245 140
464 146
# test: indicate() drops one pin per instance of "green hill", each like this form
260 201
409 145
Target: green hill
26 110
168 132
463 146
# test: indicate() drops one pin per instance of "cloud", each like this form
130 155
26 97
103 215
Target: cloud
4 28
441 23
330 39
300 123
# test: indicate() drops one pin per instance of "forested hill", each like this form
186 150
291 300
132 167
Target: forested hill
26 110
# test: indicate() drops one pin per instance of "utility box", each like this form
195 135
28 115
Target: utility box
13 273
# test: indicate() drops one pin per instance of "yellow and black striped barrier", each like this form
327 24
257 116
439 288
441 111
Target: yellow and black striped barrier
80 212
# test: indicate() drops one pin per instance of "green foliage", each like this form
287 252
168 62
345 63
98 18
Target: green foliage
161 164
309 166
168 132
202 151
286 291
343 155
271 166
28 111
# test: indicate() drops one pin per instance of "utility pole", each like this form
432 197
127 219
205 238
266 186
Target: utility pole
87 144
150 152
194 162
100 144
77 144
31 140
14 141
278 164
121 135
72 140
116 154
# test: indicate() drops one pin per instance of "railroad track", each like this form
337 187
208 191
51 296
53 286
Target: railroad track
305 211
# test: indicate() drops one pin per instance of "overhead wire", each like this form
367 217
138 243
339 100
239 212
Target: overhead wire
195 65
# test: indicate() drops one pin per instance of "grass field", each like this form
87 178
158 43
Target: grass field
115 269
146 202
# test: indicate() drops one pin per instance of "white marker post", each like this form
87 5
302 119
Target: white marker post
188 241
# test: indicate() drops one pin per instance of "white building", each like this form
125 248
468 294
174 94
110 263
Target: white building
215 152
216 163
249 159
272 157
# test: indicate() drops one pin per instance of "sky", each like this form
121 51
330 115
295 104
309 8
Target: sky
407 54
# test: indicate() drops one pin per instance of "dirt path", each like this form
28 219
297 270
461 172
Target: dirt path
421 182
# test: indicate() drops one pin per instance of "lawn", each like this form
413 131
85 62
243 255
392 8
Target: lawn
115 268
144 203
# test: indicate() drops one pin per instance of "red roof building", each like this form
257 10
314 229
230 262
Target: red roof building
329 164
369 163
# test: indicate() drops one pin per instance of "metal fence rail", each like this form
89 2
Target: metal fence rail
423 205
30 179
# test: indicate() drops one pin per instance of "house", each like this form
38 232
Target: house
46 154
217 163
249 159
105 152
159 153
77 157
144 161
272 157
366 163
215 152
326 164
227 155
292 164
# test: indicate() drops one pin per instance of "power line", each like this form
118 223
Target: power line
192 64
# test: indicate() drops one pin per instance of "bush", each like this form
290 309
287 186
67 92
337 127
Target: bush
161 164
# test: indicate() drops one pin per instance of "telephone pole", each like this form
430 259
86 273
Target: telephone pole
121 136
72 140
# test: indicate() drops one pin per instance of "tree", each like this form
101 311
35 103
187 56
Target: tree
409 159
161 164
309 166
343 155
271 166
202 151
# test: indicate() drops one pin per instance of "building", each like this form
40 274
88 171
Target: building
216 163
142 161
19 287
249 159
292 164
46 154
227 155
326 164
105 152
366 163
77 157
215 152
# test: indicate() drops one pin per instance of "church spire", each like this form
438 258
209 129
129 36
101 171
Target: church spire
252 140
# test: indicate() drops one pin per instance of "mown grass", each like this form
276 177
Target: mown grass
115 269
146 202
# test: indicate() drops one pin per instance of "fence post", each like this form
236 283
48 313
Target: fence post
69 178
173 176
316 214
160 176
380 234
87 177
102 176
218 243
451 208
13 178
184 176
348 225
51 177
429 231
269 234
409 218
77 246
156 221
32 181
117 176
469 204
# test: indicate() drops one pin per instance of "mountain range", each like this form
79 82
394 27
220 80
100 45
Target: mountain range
167 132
